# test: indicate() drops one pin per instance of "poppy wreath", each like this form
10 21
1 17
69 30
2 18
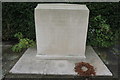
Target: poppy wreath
89 72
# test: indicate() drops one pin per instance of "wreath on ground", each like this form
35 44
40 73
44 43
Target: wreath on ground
84 69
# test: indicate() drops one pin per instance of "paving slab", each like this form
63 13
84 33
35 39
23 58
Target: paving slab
0 61
29 64
1 69
60 67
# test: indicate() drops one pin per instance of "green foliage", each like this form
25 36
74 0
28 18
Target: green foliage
19 35
23 43
18 17
100 32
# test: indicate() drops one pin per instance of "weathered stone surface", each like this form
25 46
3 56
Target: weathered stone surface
1 60
30 65
61 30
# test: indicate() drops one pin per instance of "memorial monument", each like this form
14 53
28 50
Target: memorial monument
61 32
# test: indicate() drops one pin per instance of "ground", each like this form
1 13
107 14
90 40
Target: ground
108 55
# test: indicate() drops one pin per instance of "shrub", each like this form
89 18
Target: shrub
100 32
23 43
18 17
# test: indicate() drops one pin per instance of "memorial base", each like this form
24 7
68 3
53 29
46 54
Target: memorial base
30 64
48 57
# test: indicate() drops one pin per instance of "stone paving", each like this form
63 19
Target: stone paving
0 61
28 64
10 59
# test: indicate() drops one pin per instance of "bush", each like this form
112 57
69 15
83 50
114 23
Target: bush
23 43
100 33
19 17
110 14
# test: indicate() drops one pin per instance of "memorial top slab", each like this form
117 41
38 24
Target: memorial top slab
62 6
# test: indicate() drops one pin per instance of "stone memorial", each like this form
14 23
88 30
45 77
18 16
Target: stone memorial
61 30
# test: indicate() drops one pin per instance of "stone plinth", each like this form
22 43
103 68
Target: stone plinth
28 64
61 30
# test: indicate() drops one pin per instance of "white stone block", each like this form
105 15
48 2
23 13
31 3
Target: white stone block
61 30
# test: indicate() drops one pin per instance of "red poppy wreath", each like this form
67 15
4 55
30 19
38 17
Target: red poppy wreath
84 69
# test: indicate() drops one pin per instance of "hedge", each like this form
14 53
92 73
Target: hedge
19 17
